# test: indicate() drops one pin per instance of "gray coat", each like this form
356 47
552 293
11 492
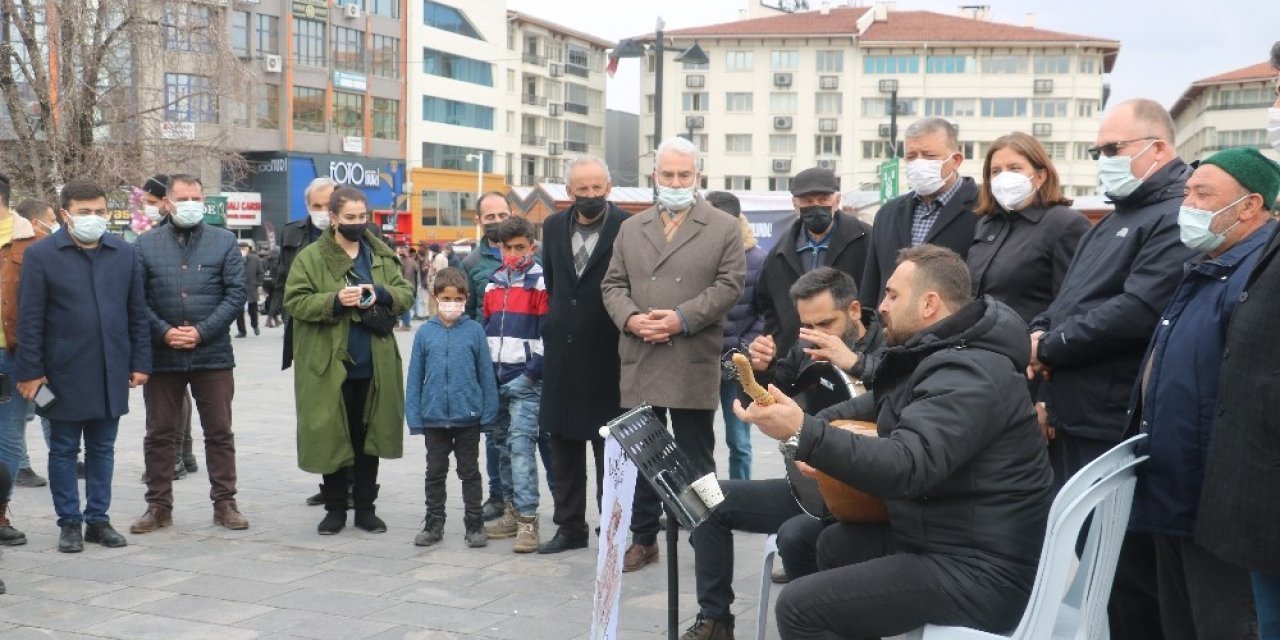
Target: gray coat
700 274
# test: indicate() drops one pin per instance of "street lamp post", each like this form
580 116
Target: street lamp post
478 158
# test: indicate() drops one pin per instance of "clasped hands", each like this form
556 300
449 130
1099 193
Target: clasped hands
182 338
656 327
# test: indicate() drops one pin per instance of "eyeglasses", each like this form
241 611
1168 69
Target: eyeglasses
1112 148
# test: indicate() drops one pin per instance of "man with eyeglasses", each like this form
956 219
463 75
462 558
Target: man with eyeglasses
1088 345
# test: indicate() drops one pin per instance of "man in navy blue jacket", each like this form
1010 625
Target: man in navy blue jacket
82 334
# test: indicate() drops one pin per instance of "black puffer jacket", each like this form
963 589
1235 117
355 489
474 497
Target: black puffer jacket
200 284
959 461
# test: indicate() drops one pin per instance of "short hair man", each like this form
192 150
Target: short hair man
677 268
938 211
295 237
827 301
580 343
194 278
969 558
39 213
153 205
822 235
1095 331
84 334
1225 218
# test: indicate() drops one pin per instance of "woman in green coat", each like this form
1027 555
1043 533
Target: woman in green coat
347 378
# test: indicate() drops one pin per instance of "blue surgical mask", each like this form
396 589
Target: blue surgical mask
188 213
88 228
675 198
1116 174
1193 227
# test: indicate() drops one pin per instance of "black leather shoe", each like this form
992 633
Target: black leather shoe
561 542
102 533
71 540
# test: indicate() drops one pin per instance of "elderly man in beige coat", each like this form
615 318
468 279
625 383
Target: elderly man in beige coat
677 269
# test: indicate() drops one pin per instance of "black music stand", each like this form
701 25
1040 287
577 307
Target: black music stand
647 443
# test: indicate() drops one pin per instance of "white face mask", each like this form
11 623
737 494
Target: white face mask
1273 128
451 311
188 213
676 198
88 228
1012 190
152 212
925 176
320 219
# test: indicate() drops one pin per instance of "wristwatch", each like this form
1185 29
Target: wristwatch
789 446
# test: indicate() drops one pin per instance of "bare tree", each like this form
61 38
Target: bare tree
113 90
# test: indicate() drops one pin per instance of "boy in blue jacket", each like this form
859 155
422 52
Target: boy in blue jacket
451 391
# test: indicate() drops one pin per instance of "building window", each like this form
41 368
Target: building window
187 27
737 143
1242 138
877 149
738 60
240 33
1087 65
648 103
308 110
1004 107
1049 107
575 137
827 104
348 114
696 101
189 98
1086 108
309 43
577 61
891 64
949 107
268 35
737 183
784 60
576 99
782 143
447 18
741 102
444 156
348 49
385 124
830 61
826 145
1048 65
385 8
948 64
693 66
1256 97
968 149
268 107
1056 150
1004 64
451 65
783 103
1082 151
462 114
385 53
780 184
872 107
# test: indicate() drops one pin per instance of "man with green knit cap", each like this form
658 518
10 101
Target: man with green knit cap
1224 218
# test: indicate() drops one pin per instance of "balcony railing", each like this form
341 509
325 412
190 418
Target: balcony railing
577 70
570 145
534 141
533 58
535 99
529 179
573 107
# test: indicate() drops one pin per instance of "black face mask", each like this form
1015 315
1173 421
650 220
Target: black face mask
590 208
352 232
817 218
491 232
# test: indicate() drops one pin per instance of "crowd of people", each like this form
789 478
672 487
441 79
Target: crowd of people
1004 341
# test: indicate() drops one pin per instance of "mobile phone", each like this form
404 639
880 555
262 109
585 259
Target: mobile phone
367 297
44 397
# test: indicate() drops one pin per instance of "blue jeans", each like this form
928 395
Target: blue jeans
99 466
13 424
737 434
492 466
1266 599
516 434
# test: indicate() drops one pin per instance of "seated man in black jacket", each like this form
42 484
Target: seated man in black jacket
835 328
959 463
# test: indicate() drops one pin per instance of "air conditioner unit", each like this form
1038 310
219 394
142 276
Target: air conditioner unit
694 122
781 79
1043 86
885 130
695 82
782 166
351 11
782 122
827 164
828 125
556 70
1042 129
829 82
553 148
272 63
555 109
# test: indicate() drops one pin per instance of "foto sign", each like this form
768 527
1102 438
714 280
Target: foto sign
354 174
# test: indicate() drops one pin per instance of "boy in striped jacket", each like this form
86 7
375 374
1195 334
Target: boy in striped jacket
515 302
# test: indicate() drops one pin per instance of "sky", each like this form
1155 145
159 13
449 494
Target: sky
1161 52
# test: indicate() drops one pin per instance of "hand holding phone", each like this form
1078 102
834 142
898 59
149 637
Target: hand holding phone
349 296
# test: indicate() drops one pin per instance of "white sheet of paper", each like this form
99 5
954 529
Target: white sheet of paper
619 488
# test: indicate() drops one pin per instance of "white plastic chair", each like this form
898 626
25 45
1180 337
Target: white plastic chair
1050 613
766 581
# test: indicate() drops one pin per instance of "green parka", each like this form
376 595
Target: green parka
320 354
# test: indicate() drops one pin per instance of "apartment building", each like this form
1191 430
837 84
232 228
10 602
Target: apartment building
1224 111
789 91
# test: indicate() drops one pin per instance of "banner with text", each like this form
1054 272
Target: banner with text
619 488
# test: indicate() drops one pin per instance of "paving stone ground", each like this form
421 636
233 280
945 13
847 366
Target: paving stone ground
280 580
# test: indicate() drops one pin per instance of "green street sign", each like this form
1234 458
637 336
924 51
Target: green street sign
888 174
215 210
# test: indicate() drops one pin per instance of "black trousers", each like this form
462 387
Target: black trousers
756 506
1202 597
464 444
364 472
253 317
569 467
696 437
